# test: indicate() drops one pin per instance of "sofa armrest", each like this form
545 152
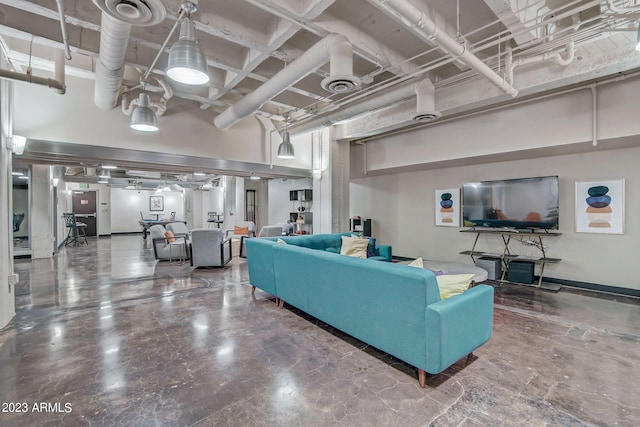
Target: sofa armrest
457 326
384 251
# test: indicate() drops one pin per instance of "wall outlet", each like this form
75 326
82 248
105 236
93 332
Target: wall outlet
13 279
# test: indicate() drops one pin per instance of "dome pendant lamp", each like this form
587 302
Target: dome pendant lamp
143 118
285 149
187 63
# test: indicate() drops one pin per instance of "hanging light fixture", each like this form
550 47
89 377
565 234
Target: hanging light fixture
143 117
187 63
285 149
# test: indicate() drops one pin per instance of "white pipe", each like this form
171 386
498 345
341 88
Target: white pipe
317 55
615 9
58 84
394 96
114 37
555 57
63 28
420 22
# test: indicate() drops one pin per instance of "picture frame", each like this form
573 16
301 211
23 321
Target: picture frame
599 206
156 203
447 207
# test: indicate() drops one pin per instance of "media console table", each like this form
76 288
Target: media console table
507 255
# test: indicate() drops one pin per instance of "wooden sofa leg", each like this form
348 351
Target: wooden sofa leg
422 378
253 290
281 303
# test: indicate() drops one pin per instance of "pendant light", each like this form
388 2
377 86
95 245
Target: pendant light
187 63
285 149
143 117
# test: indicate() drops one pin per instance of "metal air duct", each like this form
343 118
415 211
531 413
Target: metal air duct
334 47
387 99
117 18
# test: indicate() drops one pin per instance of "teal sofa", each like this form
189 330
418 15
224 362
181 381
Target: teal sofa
393 307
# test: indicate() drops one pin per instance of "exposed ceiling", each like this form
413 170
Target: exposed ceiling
477 53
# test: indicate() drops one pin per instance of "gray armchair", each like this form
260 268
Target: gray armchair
266 231
162 250
209 248
250 224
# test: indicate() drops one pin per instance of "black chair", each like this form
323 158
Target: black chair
76 230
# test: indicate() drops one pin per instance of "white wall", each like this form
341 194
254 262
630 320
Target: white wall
187 130
41 212
126 206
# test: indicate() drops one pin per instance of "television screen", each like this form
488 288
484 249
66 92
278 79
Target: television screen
525 203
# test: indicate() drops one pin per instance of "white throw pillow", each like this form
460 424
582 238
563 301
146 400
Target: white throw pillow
453 284
416 263
354 246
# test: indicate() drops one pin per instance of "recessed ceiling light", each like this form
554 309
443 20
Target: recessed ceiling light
17 173
109 167
23 177
199 174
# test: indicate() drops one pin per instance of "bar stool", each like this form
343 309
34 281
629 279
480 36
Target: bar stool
76 230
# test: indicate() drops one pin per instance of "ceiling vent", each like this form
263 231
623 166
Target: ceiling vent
341 78
134 12
426 103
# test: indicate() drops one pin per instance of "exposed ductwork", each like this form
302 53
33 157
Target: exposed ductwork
423 90
334 47
58 84
426 103
420 22
117 18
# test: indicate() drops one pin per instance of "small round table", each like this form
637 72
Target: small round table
181 251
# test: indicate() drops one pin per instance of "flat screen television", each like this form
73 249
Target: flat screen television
523 203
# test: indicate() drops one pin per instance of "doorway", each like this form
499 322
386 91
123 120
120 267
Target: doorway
84 207
250 206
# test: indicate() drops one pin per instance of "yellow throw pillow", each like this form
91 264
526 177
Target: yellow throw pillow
169 236
416 263
453 284
241 231
354 246
281 241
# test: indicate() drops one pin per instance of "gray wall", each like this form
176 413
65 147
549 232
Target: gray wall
394 183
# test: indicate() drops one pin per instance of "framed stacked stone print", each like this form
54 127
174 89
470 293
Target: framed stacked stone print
600 206
448 207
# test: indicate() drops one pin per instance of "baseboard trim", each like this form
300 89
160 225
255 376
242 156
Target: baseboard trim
595 287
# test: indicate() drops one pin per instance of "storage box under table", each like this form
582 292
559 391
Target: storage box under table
521 272
492 265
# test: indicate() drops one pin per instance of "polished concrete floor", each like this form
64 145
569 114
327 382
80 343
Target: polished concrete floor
105 335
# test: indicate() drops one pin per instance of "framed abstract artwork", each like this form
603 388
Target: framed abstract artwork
448 207
156 203
600 206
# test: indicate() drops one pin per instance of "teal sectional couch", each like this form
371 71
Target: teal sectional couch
393 307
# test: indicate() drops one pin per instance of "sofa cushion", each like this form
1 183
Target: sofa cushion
354 246
416 263
453 284
169 236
